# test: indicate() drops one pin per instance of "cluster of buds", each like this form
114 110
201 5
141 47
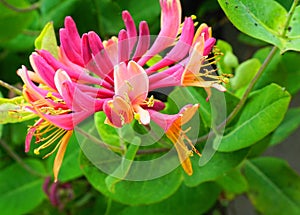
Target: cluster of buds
91 75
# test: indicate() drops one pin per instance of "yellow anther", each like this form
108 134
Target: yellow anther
150 102
36 151
137 116
189 153
225 80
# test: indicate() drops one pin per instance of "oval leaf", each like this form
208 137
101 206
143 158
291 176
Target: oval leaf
262 113
218 164
264 21
196 200
273 186
290 123
20 192
133 192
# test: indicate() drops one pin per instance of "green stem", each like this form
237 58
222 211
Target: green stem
152 151
96 140
20 10
289 17
109 203
241 103
11 88
19 160
268 59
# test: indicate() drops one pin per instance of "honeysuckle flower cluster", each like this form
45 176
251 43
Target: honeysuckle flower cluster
112 76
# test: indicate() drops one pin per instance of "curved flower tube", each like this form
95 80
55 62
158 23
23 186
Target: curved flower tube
172 125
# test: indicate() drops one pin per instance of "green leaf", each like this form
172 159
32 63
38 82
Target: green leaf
213 111
209 169
137 9
205 107
47 40
107 133
281 70
285 3
233 182
264 21
11 110
109 17
289 124
260 147
13 23
273 186
121 172
20 192
133 192
244 73
262 113
194 200
229 61
57 10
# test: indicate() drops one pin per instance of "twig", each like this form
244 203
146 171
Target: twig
152 151
10 87
20 10
96 140
19 160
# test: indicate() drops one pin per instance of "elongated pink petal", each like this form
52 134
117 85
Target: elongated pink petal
118 112
165 121
70 41
74 97
69 49
43 69
208 46
101 57
74 37
101 93
143 42
130 28
30 134
66 121
92 65
169 77
75 72
131 82
123 47
34 93
180 50
170 22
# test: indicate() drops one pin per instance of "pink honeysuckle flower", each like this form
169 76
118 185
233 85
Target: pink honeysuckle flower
185 63
131 90
172 125
59 112
114 76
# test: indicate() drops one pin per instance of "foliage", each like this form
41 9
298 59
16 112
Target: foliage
235 127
